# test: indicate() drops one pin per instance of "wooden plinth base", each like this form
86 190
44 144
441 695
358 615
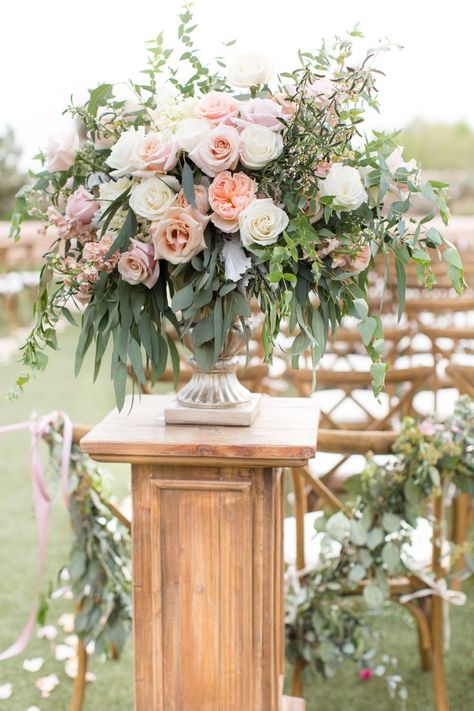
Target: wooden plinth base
207 551
239 416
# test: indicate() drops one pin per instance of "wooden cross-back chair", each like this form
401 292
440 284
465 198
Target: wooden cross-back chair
427 612
353 389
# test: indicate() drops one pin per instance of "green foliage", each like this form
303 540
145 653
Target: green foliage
100 563
387 499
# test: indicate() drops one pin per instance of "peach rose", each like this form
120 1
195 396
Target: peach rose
263 112
229 195
81 206
201 198
138 265
217 107
218 151
359 262
179 235
151 154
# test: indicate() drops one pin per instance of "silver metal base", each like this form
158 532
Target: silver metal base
219 388
235 416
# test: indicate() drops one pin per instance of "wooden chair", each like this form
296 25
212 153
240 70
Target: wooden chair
428 612
462 377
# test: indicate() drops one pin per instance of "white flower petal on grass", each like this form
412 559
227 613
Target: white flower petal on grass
47 684
71 668
32 708
33 665
6 691
63 652
236 263
66 621
48 632
71 640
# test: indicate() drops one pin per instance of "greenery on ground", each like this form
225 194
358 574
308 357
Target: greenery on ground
87 403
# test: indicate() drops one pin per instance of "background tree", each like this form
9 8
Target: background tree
11 178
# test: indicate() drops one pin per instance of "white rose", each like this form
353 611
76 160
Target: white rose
344 184
259 146
109 191
190 131
261 223
151 198
249 68
121 155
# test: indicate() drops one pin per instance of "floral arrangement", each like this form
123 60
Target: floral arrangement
223 184
372 541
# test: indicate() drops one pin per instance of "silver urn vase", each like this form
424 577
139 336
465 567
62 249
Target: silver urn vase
219 387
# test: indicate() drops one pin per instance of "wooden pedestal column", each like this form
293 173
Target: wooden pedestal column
207 551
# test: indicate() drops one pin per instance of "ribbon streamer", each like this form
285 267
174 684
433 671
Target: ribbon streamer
449 597
42 504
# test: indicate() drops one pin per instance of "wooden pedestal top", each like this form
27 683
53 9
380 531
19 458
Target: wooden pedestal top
283 434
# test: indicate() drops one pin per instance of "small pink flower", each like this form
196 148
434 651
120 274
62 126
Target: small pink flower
138 265
322 90
365 674
218 107
263 112
81 207
427 428
360 261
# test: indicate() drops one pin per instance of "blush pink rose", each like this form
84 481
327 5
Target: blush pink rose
138 265
263 112
427 428
179 235
151 154
62 149
217 151
322 90
229 195
81 207
200 196
360 261
217 107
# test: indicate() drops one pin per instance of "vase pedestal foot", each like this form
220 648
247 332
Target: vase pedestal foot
176 413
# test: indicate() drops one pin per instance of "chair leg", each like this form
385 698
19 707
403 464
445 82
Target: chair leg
297 687
424 634
460 524
437 612
300 510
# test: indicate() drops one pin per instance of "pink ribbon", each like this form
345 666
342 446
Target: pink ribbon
42 504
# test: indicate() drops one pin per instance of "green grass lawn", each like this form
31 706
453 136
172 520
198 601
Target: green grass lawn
88 403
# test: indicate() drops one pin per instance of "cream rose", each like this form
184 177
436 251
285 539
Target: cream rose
344 184
261 223
190 132
259 146
121 157
249 68
218 151
151 198
179 235
153 154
